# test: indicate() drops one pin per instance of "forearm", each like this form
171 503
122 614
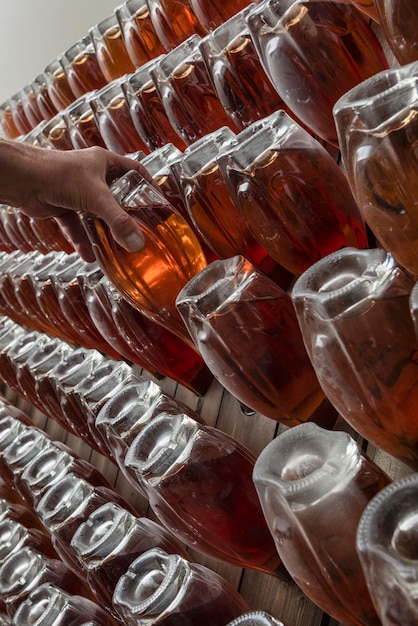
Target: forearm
19 164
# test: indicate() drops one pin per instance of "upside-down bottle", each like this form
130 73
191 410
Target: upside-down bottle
387 547
283 181
377 127
314 485
110 49
353 311
311 72
51 606
128 412
149 279
183 467
246 330
110 540
141 40
66 505
170 591
174 21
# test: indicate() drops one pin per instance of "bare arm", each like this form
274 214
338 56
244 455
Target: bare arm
51 183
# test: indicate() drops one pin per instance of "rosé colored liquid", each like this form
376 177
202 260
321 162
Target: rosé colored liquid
140 38
84 73
150 119
59 90
85 133
338 545
174 21
213 14
199 503
8 124
325 49
300 196
117 128
50 234
192 104
167 268
112 56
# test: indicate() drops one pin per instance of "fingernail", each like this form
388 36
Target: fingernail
135 241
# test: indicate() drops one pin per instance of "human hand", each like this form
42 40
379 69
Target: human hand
60 184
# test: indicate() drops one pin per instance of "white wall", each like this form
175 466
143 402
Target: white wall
34 32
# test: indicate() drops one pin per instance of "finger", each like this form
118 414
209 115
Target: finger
123 227
73 229
124 164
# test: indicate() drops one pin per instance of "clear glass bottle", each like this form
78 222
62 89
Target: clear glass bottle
169 590
183 467
387 547
311 72
110 540
141 40
187 93
128 412
51 606
27 569
399 22
377 128
314 485
291 194
246 329
111 54
149 279
68 503
353 310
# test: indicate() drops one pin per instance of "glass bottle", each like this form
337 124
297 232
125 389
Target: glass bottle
43 99
283 181
82 68
187 93
66 505
141 40
83 402
242 85
65 376
57 84
353 310
16 352
212 14
152 346
246 330
30 106
25 447
386 544
183 467
148 113
50 234
169 590
310 72
27 569
255 618
14 536
73 306
314 485
149 279
49 466
38 363
125 414
110 540
111 53
100 311
399 22
10 429
51 606
113 118
8 126
377 130
18 114
81 125
174 21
